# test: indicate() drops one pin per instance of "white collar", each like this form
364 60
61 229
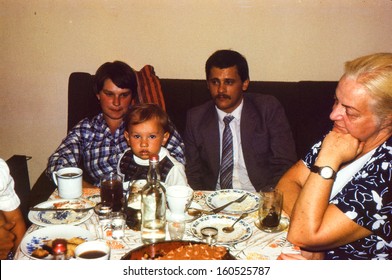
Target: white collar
345 175
236 113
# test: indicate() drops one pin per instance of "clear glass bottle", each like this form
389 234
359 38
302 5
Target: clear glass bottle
153 228
134 204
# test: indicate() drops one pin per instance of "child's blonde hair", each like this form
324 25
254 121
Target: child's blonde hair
140 113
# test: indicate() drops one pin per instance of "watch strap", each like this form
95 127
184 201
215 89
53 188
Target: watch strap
317 169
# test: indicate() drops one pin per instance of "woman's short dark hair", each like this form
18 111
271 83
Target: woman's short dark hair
121 74
228 58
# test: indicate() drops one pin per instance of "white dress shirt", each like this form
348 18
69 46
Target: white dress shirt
240 174
8 198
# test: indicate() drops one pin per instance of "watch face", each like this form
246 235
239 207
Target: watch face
326 172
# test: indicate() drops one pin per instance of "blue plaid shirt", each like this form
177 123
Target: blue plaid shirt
92 146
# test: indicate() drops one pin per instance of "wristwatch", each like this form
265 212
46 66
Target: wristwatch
325 172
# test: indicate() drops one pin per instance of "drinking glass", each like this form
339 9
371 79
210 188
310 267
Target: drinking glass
112 191
118 220
105 226
176 229
270 210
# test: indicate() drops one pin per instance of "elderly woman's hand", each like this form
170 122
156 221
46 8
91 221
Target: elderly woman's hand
340 147
305 255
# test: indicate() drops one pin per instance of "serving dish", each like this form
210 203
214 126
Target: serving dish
155 250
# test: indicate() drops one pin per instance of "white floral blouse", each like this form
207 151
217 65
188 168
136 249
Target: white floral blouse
367 200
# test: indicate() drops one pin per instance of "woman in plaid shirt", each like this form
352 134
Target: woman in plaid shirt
96 144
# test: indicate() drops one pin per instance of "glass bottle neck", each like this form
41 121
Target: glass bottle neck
153 175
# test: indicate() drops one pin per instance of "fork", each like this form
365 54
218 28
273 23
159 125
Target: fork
238 200
61 209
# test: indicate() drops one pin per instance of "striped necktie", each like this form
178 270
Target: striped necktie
226 173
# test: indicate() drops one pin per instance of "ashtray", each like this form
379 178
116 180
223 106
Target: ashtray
284 223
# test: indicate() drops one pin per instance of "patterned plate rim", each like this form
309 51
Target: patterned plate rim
34 215
34 239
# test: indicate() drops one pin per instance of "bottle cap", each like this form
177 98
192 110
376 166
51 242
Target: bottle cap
154 157
59 247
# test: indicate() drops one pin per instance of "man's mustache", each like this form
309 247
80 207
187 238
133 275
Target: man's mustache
222 96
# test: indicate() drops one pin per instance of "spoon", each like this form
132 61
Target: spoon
196 212
231 228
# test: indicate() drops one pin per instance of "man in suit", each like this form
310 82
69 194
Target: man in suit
260 146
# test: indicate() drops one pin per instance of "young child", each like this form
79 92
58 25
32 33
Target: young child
146 132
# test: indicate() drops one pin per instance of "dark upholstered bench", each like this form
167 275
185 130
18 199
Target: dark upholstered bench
307 105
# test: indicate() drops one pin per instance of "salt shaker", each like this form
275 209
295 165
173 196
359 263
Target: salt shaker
59 247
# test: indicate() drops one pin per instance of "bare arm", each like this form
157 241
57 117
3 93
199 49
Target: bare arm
303 256
12 230
68 153
316 224
291 184
6 237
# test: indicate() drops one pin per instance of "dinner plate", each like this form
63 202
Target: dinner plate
36 238
221 197
66 217
188 218
242 230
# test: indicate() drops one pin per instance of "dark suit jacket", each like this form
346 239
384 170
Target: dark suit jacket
266 137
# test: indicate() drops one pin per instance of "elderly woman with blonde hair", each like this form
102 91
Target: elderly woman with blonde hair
339 196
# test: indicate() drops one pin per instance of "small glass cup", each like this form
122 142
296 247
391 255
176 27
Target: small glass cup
176 229
105 225
270 210
117 222
112 191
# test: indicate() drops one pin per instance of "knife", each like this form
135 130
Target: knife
61 209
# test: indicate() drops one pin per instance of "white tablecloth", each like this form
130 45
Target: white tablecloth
260 245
